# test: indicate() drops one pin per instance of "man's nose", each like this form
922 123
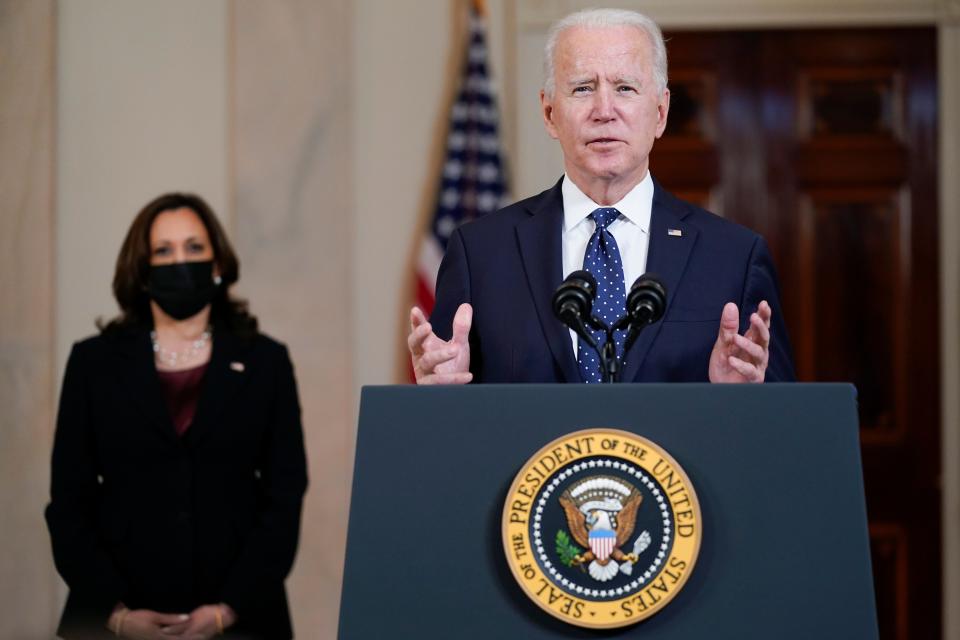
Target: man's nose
603 104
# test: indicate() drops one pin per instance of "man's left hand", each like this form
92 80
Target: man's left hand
737 358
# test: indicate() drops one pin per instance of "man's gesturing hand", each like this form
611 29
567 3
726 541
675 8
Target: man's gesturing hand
437 361
737 358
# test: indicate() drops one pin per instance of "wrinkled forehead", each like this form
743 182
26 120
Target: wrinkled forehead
623 51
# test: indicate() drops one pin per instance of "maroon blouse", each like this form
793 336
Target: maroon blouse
181 390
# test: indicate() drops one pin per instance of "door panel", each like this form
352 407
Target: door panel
824 141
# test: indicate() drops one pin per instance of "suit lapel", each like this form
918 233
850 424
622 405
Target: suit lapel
225 374
671 241
139 375
539 238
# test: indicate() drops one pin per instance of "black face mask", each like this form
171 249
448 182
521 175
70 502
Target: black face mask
182 289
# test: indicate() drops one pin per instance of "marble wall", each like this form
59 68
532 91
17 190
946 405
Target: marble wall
28 586
290 120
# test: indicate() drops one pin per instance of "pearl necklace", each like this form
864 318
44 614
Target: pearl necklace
174 359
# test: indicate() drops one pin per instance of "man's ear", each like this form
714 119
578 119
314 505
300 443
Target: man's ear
663 108
546 109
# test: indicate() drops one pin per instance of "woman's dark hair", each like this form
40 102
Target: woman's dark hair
133 267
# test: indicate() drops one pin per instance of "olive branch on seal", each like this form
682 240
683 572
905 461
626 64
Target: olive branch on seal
566 549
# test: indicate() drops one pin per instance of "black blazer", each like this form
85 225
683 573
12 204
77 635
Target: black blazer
140 516
508 264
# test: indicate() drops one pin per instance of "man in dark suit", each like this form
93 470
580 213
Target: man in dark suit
605 100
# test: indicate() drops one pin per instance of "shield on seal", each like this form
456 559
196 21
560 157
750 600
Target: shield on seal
602 542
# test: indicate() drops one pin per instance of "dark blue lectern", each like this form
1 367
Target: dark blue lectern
784 550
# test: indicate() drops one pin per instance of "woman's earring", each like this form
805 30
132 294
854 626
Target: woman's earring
217 280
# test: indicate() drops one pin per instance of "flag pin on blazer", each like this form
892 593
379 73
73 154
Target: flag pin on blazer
674 232
237 366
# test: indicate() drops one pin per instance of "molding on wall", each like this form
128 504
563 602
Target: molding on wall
709 14
949 88
949 12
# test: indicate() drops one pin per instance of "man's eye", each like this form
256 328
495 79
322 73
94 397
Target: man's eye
626 89
581 89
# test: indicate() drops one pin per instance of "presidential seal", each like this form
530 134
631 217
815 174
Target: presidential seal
601 528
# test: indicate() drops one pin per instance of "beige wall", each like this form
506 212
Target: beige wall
290 134
28 586
398 104
318 139
141 98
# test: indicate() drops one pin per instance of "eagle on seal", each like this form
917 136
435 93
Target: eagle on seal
602 513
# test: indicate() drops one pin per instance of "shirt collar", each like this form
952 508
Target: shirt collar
635 206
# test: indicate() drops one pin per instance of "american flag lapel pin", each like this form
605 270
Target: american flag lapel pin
237 366
674 232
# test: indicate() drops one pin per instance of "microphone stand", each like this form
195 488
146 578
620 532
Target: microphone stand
610 365
609 362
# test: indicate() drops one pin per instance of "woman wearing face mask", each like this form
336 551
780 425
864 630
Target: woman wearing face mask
178 467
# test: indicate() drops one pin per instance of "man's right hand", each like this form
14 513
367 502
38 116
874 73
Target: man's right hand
437 361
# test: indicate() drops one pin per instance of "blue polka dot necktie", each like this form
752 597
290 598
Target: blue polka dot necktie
602 260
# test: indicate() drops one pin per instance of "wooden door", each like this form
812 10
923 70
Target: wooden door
825 142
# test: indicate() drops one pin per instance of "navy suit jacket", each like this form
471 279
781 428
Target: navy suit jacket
508 265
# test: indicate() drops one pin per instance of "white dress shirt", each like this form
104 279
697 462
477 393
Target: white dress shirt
631 230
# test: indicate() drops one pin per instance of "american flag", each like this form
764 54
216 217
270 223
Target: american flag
473 181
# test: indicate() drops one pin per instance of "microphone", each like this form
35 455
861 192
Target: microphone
573 303
646 303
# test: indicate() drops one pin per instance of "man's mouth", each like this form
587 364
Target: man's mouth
603 141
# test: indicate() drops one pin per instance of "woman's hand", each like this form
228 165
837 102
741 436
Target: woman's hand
203 623
144 624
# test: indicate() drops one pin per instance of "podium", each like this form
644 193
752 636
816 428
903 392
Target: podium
776 467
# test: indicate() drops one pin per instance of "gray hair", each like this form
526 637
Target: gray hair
593 18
